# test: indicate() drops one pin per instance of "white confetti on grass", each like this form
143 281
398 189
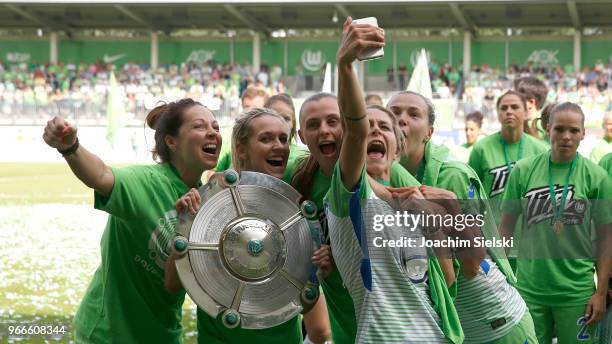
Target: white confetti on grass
48 255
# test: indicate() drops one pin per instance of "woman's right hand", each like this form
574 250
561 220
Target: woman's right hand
357 38
60 134
190 202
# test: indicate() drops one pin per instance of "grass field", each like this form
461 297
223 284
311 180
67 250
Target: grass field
49 248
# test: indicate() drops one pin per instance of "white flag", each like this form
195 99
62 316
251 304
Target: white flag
419 81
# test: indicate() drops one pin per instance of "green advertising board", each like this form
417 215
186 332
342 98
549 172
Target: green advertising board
311 56
596 50
196 51
24 51
272 53
109 51
542 53
408 52
243 52
492 53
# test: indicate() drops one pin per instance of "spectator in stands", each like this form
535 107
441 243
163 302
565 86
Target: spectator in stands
373 99
253 97
473 125
603 146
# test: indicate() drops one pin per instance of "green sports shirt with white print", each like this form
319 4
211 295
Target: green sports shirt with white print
126 301
489 162
396 291
606 163
557 269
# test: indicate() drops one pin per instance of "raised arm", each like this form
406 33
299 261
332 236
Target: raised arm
355 39
90 169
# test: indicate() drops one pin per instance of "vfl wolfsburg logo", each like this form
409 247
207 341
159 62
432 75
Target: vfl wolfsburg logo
539 207
500 179
544 57
414 56
313 60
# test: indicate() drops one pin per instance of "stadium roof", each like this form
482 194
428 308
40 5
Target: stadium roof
267 16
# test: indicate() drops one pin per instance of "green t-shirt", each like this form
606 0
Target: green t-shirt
556 269
606 163
212 331
602 147
126 301
488 161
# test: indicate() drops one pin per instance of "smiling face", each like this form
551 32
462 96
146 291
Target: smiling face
321 130
566 131
413 119
199 142
267 148
381 144
511 111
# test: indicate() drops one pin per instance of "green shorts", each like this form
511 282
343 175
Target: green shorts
569 323
522 333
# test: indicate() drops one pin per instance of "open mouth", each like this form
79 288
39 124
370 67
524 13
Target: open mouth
376 149
327 148
276 162
210 148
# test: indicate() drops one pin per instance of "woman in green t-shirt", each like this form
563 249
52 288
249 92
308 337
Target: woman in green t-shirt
260 143
557 255
126 301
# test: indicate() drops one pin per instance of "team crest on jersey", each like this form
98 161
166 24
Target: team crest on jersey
500 179
161 238
416 268
539 208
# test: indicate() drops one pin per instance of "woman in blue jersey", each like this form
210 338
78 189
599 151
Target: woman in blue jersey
399 293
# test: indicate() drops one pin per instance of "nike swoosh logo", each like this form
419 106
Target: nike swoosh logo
113 58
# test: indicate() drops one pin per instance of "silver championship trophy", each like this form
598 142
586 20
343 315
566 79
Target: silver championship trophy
246 254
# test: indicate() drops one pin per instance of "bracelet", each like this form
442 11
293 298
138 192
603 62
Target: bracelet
356 119
70 150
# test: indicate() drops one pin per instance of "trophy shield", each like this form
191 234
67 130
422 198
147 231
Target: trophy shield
246 253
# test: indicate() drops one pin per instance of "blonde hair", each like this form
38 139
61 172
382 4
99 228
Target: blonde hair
242 131
399 135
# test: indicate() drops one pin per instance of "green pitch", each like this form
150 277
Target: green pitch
49 237
36 183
